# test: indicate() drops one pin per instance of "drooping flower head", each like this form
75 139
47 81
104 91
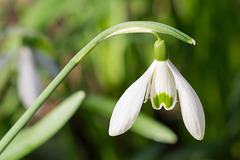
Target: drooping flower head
161 83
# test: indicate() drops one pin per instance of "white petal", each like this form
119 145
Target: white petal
28 81
148 90
129 105
163 87
191 107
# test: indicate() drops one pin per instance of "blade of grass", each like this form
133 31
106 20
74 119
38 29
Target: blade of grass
144 125
33 137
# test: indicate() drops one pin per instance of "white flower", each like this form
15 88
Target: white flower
160 83
29 83
25 60
29 86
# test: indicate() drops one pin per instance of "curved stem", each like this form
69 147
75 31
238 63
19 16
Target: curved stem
22 121
134 27
123 28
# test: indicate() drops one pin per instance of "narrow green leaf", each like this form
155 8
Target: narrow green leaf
144 125
32 137
150 128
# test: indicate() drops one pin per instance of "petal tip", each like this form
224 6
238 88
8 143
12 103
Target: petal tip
197 130
111 133
199 137
114 132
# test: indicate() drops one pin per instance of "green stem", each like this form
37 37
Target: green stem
123 28
22 121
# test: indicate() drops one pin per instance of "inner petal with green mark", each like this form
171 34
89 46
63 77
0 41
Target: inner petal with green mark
162 99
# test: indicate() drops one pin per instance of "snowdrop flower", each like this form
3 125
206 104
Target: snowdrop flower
29 83
161 83
29 86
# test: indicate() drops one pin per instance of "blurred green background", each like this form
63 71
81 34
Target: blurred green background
60 28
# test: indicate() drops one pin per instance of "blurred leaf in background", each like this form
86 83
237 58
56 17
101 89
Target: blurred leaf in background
32 137
63 27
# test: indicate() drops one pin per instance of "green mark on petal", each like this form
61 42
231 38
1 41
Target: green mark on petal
163 98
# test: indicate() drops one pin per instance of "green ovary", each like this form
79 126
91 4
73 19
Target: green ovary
163 98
